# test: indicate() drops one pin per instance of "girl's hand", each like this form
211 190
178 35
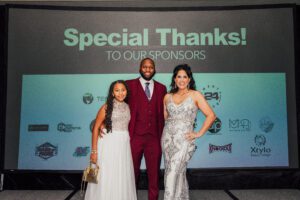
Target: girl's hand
94 157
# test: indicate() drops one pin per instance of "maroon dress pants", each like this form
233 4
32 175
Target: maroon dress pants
150 147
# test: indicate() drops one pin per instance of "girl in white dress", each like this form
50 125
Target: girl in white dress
111 150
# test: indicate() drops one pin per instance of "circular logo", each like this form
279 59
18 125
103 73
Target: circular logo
216 126
260 140
266 124
92 125
61 126
212 94
88 98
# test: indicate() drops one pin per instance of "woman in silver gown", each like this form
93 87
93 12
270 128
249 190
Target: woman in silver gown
178 140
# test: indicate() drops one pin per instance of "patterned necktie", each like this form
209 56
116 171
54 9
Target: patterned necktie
147 91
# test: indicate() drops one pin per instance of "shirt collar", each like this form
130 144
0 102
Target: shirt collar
143 81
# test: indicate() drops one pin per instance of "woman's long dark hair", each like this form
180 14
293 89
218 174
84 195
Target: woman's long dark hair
110 104
188 71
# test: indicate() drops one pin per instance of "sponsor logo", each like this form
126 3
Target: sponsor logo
260 149
46 150
212 94
225 148
215 127
260 140
88 98
239 125
62 127
101 98
81 151
266 124
38 127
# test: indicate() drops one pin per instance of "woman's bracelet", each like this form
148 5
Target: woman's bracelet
94 151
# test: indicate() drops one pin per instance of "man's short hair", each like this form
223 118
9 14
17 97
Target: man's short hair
142 61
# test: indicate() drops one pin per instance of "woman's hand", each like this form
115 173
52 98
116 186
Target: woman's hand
94 157
191 136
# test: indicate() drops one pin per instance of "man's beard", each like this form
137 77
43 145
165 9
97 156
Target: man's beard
147 79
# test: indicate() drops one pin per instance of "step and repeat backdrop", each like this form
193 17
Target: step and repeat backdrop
62 60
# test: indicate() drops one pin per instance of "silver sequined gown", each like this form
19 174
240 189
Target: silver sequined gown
177 151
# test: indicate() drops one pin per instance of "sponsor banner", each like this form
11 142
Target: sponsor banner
238 120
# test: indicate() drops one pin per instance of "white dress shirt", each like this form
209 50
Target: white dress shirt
151 85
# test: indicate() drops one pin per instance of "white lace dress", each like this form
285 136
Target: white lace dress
116 177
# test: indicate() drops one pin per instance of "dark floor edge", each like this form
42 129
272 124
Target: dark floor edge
231 195
71 194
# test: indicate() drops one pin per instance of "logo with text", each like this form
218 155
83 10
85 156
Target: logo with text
46 150
67 128
38 127
212 94
81 151
88 98
260 149
216 148
215 127
239 125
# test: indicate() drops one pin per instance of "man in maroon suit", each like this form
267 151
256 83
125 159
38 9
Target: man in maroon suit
146 124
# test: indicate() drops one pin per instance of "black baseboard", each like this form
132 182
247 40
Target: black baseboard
217 180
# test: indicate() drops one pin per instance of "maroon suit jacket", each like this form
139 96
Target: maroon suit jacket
159 90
